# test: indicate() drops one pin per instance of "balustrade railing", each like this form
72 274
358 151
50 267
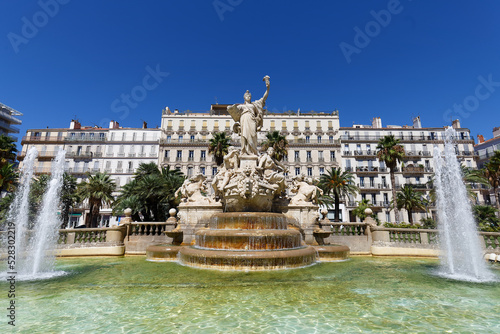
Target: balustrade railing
147 228
347 229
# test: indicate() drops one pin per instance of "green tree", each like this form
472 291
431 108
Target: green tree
7 150
69 197
278 142
409 199
492 173
390 152
98 190
359 211
339 184
151 193
8 178
219 146
486 218
38 188
5 203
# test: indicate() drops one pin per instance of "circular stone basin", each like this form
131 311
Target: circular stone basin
332 253
162 253
257 260
248 221
253 240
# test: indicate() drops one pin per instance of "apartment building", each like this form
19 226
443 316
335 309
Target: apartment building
359 152
115 150
484 150
313 139
9 120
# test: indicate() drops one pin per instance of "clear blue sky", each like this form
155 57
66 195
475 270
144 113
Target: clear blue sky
84 55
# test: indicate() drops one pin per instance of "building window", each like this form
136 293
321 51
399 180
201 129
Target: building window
309 171
387 216
191 138
190 171
144 136
297 156
330 139
203 155
308 139
191 156
202 170
319 139
169 139
361 181
180 139
167 154
214 171
332 155
297 170
322 170
179 155
309 156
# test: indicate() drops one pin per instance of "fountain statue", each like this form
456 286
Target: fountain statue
251 233
462 254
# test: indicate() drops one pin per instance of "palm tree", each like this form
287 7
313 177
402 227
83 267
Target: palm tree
492 172
7 150
278 142
360 209
69 197
8 178
340 184
97 189
219 146
473 176
151 193
390 152
409 199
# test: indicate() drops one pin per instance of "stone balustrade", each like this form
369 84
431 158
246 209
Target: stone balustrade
139 235
91 241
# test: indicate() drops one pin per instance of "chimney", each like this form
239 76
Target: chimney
114 125
144 125
480 139
416 123
496 132
376 122
455 124
75 125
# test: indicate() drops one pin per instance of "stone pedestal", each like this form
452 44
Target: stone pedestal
194 217
306 218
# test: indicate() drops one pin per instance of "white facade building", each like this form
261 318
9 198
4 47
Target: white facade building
359 156
117 151
8 120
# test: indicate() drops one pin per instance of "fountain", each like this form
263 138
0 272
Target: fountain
35 244
251 232
462 254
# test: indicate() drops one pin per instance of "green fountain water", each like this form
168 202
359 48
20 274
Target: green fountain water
130 295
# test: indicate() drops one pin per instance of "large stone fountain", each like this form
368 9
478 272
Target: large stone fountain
244 225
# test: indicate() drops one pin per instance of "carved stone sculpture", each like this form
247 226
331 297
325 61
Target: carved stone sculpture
248 117
306 191
191 191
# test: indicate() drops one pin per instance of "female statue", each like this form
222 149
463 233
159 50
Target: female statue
248 117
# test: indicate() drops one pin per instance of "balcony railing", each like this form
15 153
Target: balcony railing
85 138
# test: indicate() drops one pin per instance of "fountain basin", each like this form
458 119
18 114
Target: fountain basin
332 253
248 221
248 239
242 260
162 253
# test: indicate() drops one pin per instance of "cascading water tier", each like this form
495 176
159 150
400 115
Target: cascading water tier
248 241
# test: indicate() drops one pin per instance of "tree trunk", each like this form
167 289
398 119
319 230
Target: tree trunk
393 184
410 218
337 208
497 200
